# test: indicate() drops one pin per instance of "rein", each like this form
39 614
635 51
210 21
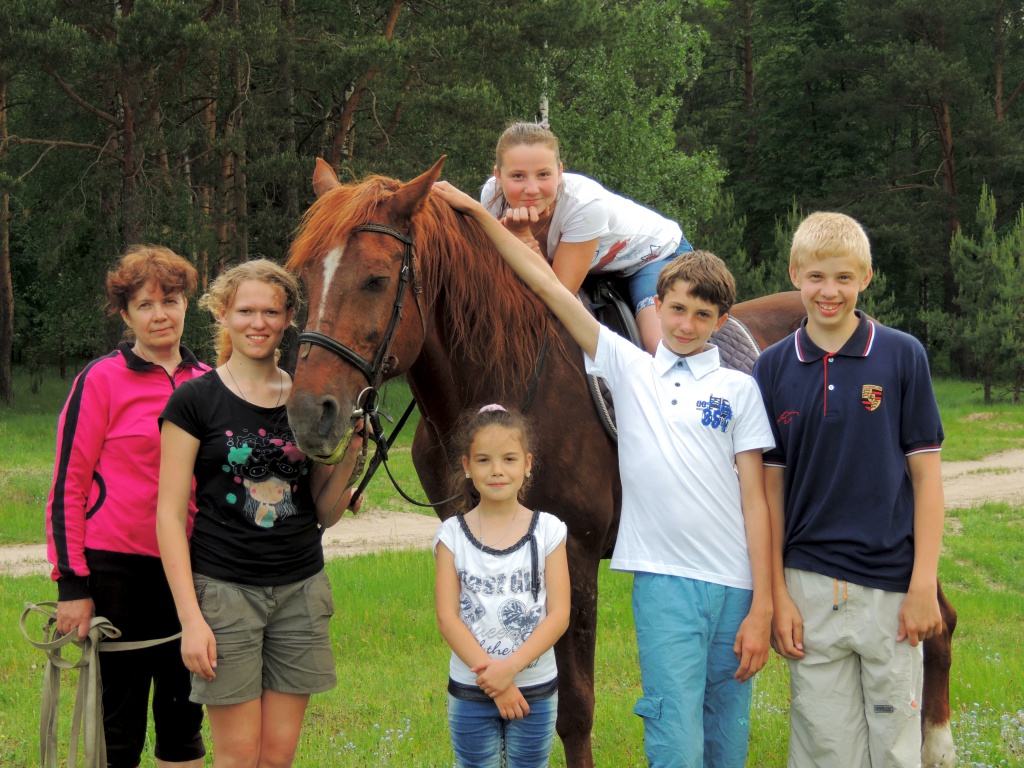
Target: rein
87 719
374 372
383 443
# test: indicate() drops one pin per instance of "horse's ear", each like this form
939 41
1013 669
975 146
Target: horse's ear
324 178
410 198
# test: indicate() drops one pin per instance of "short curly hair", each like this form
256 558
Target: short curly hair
143 263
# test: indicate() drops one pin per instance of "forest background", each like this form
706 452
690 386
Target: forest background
194 124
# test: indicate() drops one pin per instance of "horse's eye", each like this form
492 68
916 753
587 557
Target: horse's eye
375 284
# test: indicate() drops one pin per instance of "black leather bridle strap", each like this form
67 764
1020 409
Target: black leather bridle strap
373 371
346 354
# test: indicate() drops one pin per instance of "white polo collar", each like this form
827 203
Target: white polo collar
700 365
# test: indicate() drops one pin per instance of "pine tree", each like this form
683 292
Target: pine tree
987 269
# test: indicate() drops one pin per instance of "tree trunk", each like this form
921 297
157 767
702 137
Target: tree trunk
289 143
233 233
348 114
998 55
986 380
128 98
1001 104
6 285
748 90
396 116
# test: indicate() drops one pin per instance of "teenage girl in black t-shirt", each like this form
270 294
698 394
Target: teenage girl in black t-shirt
251 595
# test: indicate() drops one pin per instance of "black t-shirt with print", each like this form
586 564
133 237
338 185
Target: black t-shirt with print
256 522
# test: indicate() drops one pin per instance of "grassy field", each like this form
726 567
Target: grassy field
27 437
389 706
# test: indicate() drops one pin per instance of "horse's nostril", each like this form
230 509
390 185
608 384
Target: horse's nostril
328 415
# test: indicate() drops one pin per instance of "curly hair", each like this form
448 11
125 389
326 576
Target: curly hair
222 291
140 264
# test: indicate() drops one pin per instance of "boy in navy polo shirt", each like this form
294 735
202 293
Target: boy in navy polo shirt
694 530
855 493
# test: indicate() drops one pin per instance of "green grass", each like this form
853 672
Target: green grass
28 440
975 430
28 437
389 706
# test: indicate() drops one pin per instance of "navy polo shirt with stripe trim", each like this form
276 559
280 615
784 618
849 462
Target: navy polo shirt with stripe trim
844 423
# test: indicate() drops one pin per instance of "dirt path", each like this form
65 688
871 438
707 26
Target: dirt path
967 483
369 531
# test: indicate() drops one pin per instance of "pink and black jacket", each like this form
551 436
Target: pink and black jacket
103 500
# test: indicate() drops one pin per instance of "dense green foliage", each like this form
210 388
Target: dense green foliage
897 112
194 123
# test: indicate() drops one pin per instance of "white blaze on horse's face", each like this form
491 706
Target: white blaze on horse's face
331 261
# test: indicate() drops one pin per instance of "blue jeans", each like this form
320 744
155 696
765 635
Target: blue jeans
483 739
695 714
643 284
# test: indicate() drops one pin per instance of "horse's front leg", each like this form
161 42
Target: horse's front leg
937 748
575 655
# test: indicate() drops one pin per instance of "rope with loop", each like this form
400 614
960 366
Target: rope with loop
87 720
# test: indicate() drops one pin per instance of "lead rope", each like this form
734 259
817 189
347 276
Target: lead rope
88 713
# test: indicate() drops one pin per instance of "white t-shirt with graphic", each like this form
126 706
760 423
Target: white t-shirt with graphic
628 234
496 598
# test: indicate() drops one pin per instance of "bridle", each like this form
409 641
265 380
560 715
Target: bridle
373 370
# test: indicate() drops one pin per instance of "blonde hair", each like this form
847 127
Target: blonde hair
825 235
709 279
517 134
222 291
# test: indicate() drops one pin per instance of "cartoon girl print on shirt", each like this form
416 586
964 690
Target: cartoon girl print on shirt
267 465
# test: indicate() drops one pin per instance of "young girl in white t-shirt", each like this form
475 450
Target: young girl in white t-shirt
502 600
576 224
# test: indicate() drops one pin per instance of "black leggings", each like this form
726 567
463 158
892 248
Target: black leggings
134 595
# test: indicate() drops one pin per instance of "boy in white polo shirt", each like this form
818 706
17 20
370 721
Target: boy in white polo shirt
694 530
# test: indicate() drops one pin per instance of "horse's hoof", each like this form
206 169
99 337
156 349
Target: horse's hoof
938 750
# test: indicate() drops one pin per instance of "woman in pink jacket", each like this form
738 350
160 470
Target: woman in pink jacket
101 513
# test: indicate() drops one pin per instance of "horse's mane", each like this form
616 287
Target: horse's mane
489 316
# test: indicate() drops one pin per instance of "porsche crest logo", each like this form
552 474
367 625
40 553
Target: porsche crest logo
871 396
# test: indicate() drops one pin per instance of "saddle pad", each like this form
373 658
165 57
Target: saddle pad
736 348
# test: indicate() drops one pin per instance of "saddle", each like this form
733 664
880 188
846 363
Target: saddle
605 298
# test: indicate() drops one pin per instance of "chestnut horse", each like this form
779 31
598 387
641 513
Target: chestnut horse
399 283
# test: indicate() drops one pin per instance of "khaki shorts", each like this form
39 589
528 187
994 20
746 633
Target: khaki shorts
268 638
856 693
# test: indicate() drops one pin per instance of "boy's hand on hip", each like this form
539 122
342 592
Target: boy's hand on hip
787 628
920 617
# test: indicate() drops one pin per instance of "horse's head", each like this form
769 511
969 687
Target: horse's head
355 255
